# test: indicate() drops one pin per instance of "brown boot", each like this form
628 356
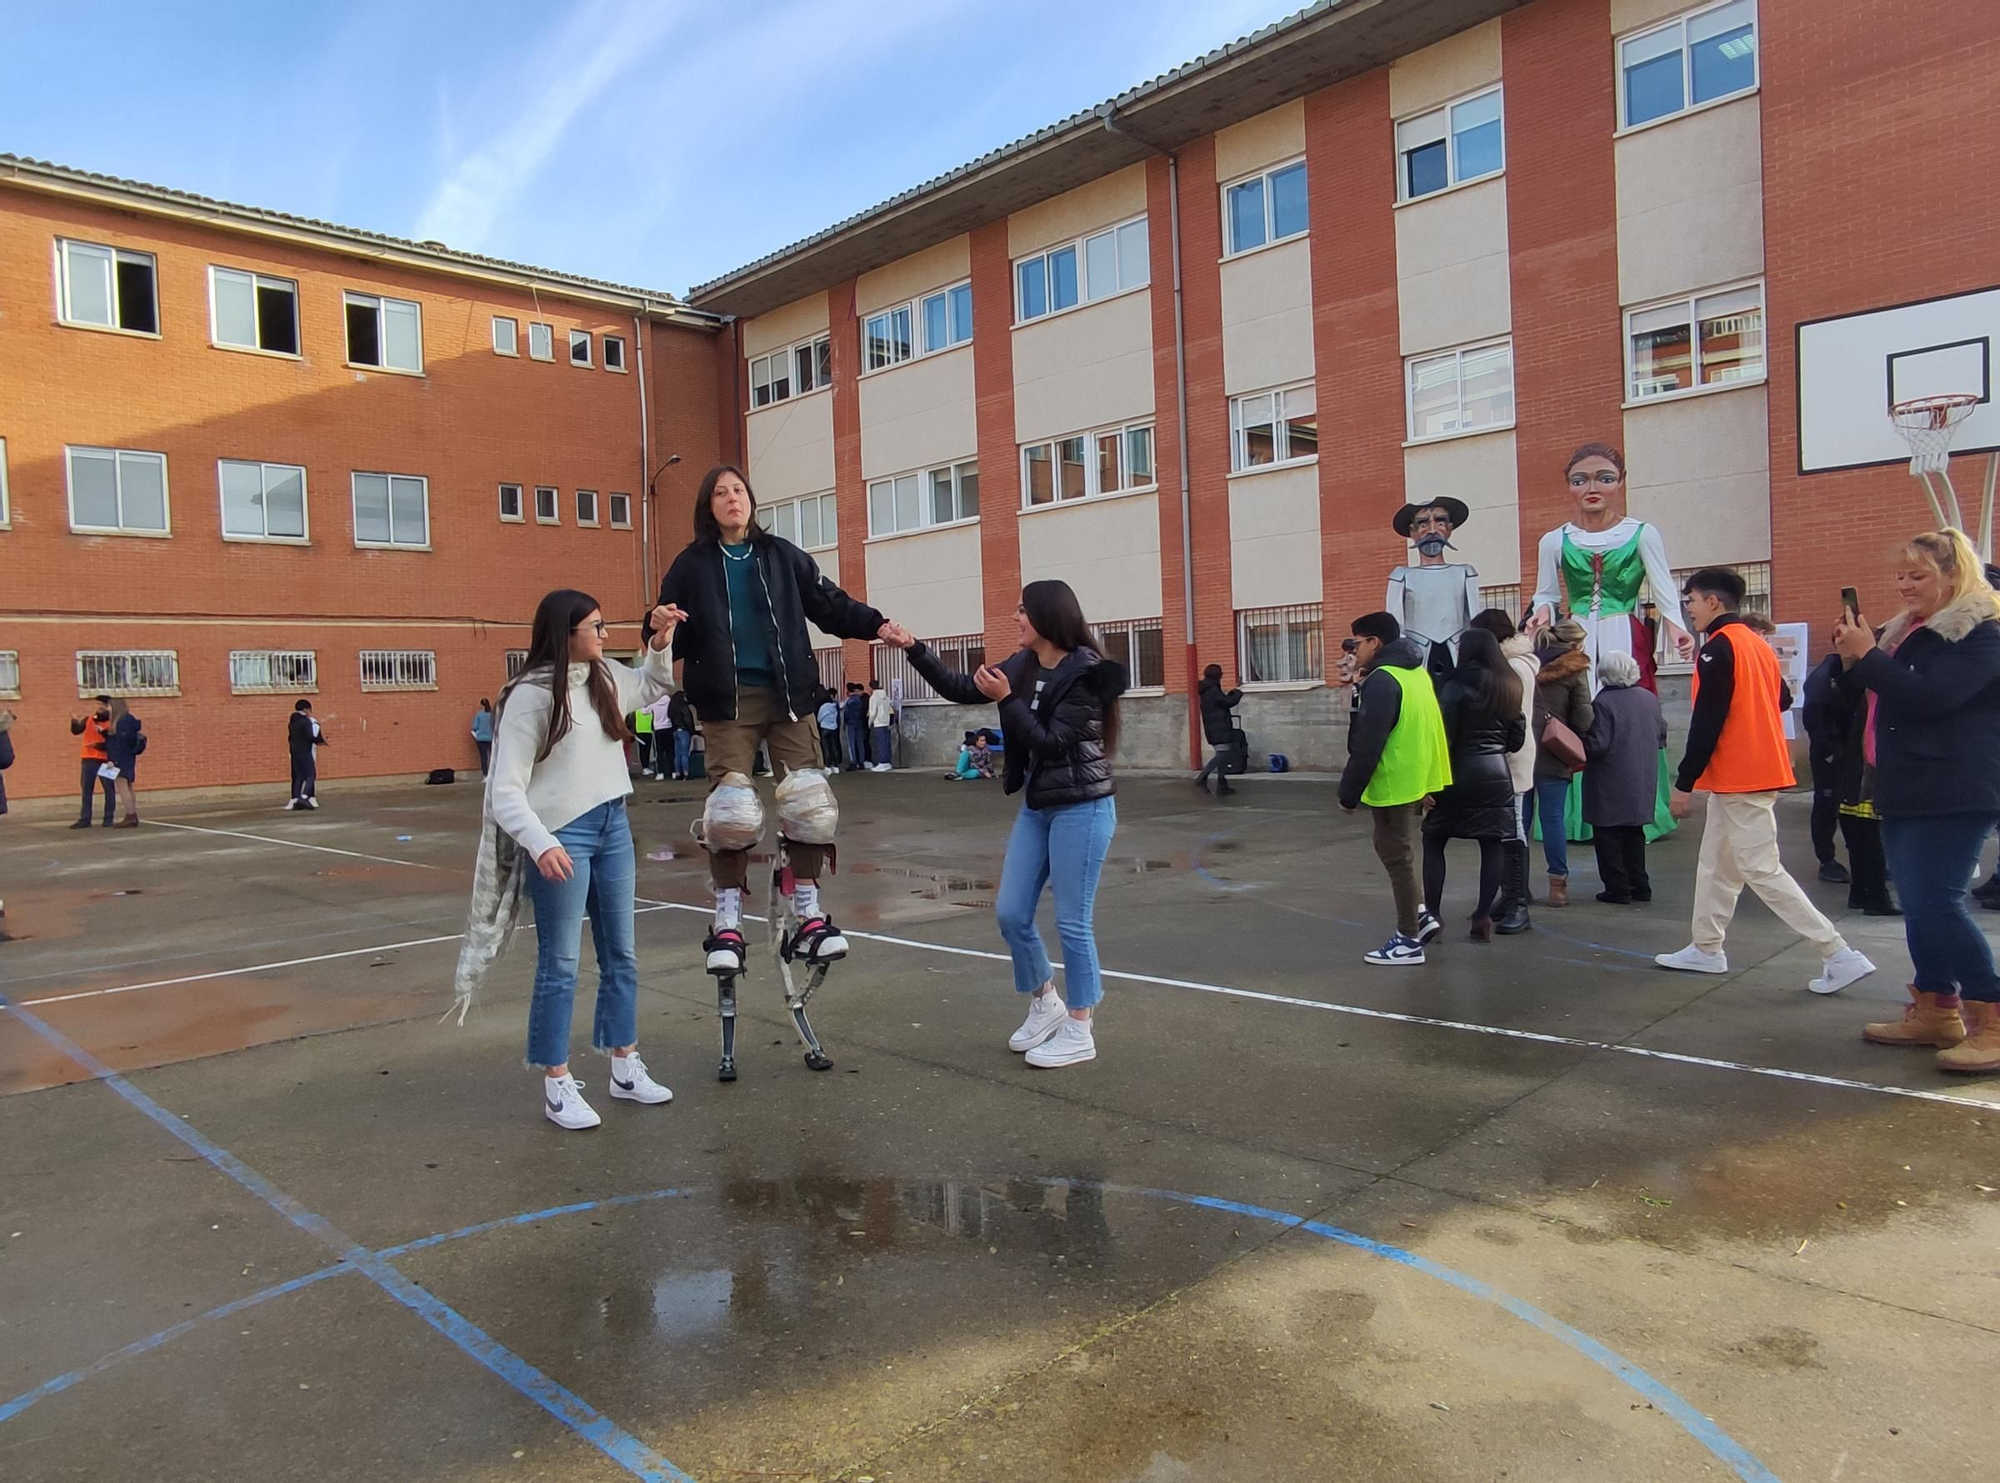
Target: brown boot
1558 890
1980 1050
130 821
1925 1022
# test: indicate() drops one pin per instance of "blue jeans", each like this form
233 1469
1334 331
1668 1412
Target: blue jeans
881 737
1065 846
857 744
1931 859
600 847
1550 795
683 750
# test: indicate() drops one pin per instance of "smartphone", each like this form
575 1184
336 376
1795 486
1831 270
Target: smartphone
1851 600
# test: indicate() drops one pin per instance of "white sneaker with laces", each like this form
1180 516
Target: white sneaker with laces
1692 959
1046 1013
292 804
312 803
1072 1042
563 1104
1396 952
630 1083
1845 967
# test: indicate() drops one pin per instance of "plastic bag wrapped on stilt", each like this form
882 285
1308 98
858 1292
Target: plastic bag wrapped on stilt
808 813
733 817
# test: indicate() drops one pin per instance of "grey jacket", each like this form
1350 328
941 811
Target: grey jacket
1621 774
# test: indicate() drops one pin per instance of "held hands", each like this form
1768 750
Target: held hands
664 620
554 864
1852 637
1680 804
1541 618
895 635
992 683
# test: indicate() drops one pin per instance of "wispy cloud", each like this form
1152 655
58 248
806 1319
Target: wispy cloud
600 41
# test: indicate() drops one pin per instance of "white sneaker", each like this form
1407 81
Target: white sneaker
312 803
1072 1042
563 1104
1397 951
1692 959
1045 1016
1845 967
630 1083
727 952
292 804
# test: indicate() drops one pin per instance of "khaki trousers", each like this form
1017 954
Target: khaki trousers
732 747
1395 846
1739 847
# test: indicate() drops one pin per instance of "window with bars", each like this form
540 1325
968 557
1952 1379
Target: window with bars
10 674
1756 577
1280 646
128 672
963 652
832 669
272 671
1138 644
398 669
517 660
1506 597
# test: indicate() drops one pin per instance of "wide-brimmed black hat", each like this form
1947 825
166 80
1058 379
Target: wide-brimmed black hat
1455 508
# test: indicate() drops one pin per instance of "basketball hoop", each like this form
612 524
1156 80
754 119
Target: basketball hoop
1928 424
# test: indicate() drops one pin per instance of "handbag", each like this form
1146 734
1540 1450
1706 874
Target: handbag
1562 744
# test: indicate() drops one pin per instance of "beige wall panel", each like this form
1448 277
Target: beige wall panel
1274 555
1701 471
929 581
1630 15
1267 318
1691 203
1085 368
1458 64
1115 197
1452 280
829 567
790 445
1260 141
1480 471
798 320
903 280
1108 550
917 414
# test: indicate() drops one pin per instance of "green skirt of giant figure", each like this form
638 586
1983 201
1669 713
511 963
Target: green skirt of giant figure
1579 832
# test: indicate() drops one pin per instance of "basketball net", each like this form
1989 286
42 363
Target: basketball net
1928 425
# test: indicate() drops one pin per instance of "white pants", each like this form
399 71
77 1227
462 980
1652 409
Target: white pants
1739 847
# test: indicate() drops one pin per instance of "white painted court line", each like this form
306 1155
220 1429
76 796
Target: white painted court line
296 844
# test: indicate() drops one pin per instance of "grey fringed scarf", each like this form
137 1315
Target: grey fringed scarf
498 878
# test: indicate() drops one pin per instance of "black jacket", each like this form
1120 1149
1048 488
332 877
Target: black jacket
1480 802
794 591
1055 750
1378 706
1824 713
6 761
680 715
123 746
1937 713
299 736
1218 712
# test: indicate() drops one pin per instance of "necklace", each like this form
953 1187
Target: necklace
734 557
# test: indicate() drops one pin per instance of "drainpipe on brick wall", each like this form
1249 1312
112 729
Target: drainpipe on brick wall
645 492
1180 406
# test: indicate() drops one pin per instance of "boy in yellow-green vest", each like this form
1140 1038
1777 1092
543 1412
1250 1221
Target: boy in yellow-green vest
1397 757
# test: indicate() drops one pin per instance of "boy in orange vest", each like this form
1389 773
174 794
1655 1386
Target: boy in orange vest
1738 755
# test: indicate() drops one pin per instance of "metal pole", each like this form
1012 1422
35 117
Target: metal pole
1986 508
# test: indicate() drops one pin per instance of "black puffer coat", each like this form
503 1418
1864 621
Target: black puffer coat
1218 712
796 592
1055 749
1480 803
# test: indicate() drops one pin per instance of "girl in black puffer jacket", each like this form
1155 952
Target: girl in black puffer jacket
1058 699
1481 704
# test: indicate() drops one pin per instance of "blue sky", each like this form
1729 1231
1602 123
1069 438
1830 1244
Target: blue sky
651 142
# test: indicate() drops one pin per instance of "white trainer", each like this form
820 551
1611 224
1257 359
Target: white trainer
312 803
1045 1016
1845 967
563 1104
1692 959
630 1083
1072 1042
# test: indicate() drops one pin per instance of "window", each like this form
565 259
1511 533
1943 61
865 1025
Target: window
770 378
510 502
614 353
541 341
807 523
248 311
1506 597
947 317
10 674
127 672
398 669
938 496
1274 427
1713 339
586 507
886 339
1461 391
506 336
1136 644
116 491
1265 208
108 287
1693 59
1111 460
388 333
1756 577
964 653
1449 146
517 660
392 510
262 501
813 365
621 511
1100 265
547 507
1280 646
272 671
579 347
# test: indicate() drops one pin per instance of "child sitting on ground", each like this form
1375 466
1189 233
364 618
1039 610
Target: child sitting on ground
975 759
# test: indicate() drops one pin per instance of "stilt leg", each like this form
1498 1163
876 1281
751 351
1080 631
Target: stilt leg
725 1003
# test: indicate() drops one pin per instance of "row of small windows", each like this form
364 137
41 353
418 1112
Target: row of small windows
542 343
251 671
548 507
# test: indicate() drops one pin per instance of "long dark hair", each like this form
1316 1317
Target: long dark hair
556 618
706 527
1490 683
1054 613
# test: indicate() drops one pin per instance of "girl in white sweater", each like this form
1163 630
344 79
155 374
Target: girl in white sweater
558 788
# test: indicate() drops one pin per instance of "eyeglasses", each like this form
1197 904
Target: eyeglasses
598 625
1602 476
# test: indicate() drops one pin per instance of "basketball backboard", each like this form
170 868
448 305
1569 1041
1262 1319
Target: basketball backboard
1852 368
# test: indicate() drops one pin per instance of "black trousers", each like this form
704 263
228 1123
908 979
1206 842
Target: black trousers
305 775
1867 865
1227 755
1621 859
1825 809
829 748
90 781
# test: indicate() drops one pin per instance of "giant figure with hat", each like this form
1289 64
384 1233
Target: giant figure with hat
1435 599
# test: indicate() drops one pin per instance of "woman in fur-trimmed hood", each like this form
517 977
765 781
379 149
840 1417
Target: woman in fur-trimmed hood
1932 687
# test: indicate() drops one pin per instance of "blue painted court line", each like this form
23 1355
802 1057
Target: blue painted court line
567 1407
